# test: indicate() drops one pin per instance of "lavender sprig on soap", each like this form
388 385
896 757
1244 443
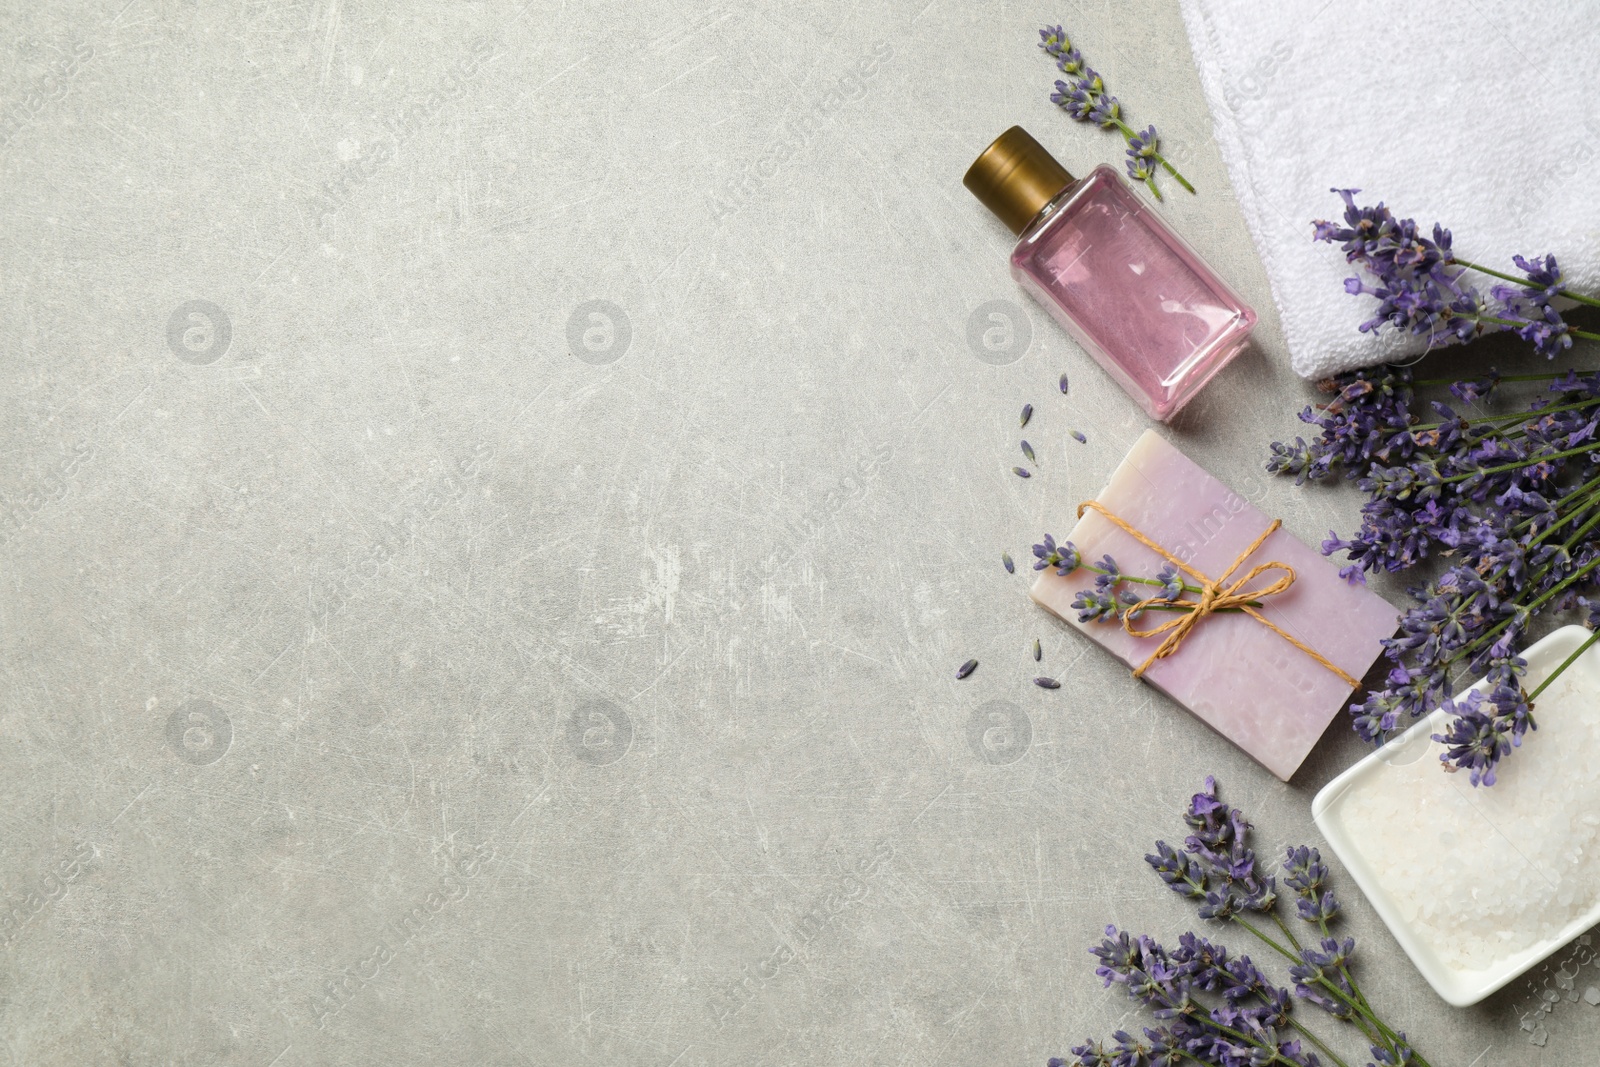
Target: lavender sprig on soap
1084 97
1250 591
1105 603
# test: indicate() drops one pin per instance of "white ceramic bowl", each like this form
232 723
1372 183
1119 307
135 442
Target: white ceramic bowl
1577 692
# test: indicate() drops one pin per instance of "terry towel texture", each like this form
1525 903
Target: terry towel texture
1482 116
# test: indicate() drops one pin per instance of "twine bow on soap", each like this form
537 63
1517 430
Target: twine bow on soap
1214 596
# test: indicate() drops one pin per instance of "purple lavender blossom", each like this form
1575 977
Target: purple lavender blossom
1209 1005
1065 559
1107 113
1487 726
1216 865
1053 39
1545 330
1506 503
1112 599
1421 285
1145 144
1092 606
1238 1024
1171 580
1236 880
1109 576
1322 977
1139 170
1305 874
1402 1056
1544 279
1143 152
1083 96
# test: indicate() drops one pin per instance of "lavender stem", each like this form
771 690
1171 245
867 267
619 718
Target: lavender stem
1507 378
1331 988
1513 416
1591 301
1480 317
1581 649
1517 466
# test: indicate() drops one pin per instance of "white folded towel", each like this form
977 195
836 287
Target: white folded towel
1483 116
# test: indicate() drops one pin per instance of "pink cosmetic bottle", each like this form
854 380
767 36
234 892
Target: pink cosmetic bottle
1111 272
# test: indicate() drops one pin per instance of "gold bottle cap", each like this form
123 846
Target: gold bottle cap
1015 178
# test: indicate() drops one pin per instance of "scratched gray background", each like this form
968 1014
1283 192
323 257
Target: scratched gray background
493 501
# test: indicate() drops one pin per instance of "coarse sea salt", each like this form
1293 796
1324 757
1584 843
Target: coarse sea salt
1478 884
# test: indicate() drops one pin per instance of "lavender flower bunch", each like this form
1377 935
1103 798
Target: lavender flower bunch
1422 286
1214 1007
1084 97
1512 502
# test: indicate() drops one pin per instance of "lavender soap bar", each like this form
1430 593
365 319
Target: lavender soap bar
1254 687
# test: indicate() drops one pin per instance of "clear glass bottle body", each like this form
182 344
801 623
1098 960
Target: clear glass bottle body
1131 292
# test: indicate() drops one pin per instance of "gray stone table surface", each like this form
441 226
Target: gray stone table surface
494 499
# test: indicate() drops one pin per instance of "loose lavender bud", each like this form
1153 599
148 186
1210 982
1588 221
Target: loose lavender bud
1027 450
1020 472
1038 653
966 668
1064 385
1010 566
1047 683
1027 413
1082 440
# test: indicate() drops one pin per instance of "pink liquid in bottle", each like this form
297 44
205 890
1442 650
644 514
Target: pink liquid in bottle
1127 288
1131 292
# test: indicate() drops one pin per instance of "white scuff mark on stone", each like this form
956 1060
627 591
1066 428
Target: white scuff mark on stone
660 581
